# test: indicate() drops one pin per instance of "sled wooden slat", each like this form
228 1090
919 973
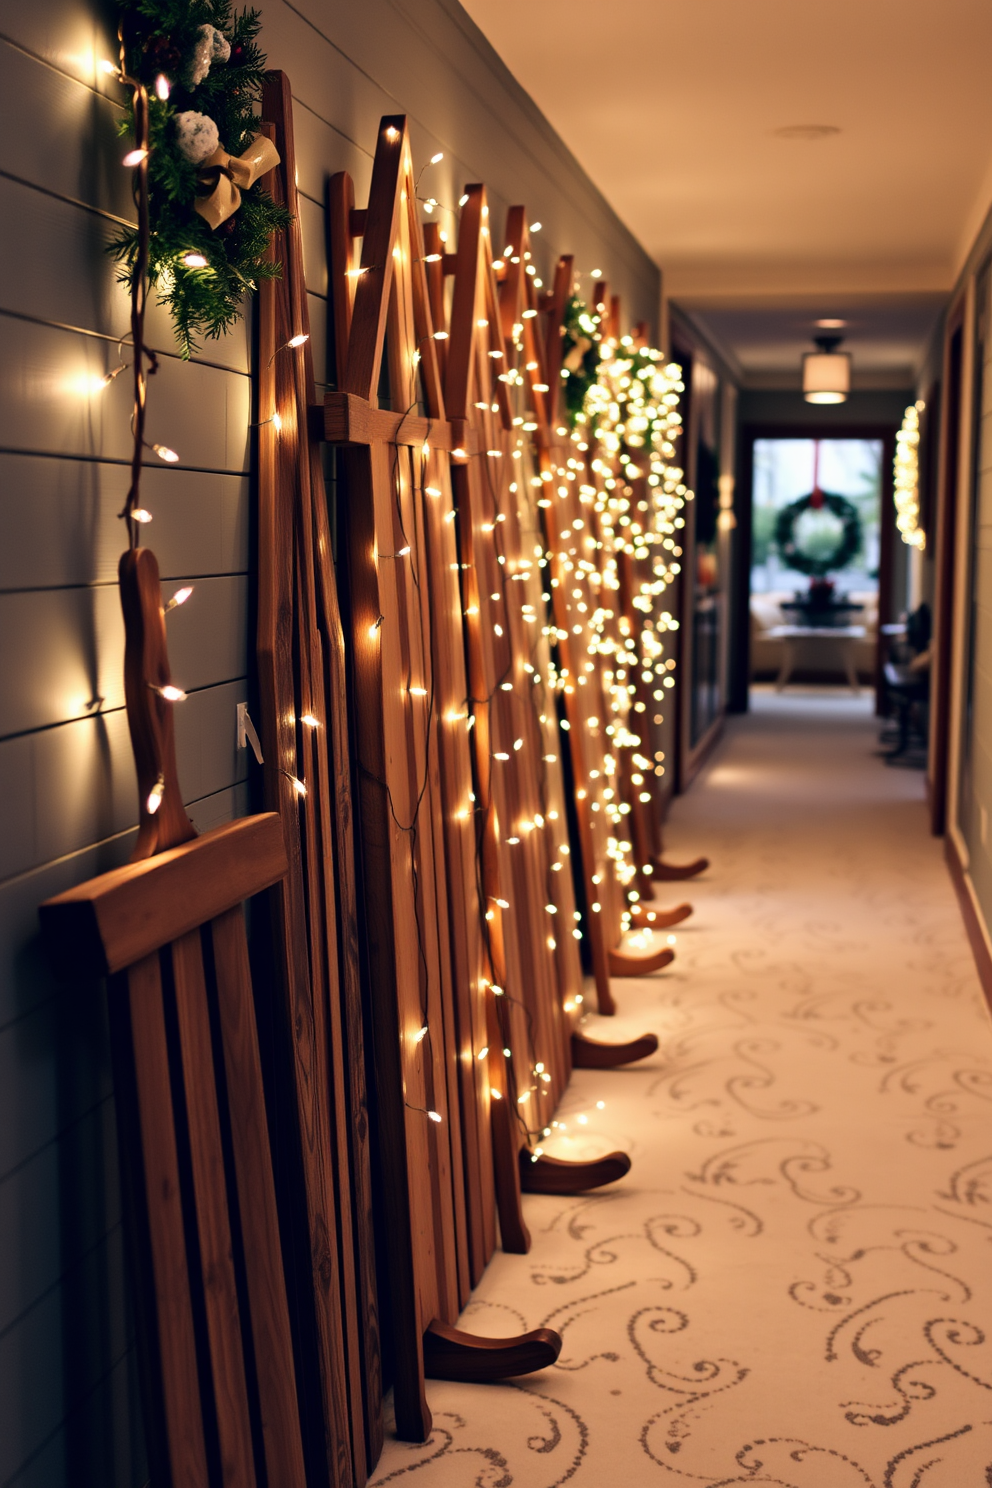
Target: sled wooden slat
182 1011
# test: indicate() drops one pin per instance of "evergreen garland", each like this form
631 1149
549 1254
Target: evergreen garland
579 354
165 39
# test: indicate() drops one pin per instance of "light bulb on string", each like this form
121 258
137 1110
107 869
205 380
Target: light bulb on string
155 795
168 692
293 344
181 595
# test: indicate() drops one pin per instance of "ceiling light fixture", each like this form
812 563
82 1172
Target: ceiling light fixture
830 324
826 372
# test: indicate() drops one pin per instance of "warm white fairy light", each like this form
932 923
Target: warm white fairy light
155 795
907 478
179 598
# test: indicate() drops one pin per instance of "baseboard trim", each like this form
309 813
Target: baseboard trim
974 923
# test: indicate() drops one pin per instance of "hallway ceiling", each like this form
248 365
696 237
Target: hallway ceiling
700 120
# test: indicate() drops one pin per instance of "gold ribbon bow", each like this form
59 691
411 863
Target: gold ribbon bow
222 178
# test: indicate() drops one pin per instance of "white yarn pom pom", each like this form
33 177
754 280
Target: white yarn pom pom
221 46
203 52
212 46
196 136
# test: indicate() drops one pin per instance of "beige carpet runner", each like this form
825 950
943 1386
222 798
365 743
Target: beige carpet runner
794 1284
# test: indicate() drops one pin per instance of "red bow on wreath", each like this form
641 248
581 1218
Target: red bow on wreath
816 495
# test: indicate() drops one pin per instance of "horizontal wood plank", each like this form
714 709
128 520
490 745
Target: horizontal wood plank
48 1367
322 149
35 1252
54 1069
50 402
110 922
62 651
102 1430
72 147
70 35
59 525
27 981
55 266
348 419
76 783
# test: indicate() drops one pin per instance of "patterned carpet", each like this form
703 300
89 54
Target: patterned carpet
794 1284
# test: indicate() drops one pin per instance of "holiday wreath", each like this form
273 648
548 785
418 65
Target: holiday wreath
817 565
199 71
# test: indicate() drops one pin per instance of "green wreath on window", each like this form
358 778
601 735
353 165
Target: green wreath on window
818 565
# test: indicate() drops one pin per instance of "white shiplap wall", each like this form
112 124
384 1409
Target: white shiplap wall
68 1399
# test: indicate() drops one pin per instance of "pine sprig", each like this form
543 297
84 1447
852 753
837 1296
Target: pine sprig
581 339
160 38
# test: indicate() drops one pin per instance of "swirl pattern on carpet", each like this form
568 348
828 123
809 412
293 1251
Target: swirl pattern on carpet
793 1286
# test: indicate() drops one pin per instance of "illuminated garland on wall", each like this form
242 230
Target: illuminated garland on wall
906 471
199 70
580 352
632 413
623 408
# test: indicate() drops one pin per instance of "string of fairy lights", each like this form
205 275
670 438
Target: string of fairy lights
522 618
619 462
632 415
906 478
145 361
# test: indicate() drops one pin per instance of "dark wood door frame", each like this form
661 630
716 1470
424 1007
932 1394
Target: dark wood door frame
945 543
741 644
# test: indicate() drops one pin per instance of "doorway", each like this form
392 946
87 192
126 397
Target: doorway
817 555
